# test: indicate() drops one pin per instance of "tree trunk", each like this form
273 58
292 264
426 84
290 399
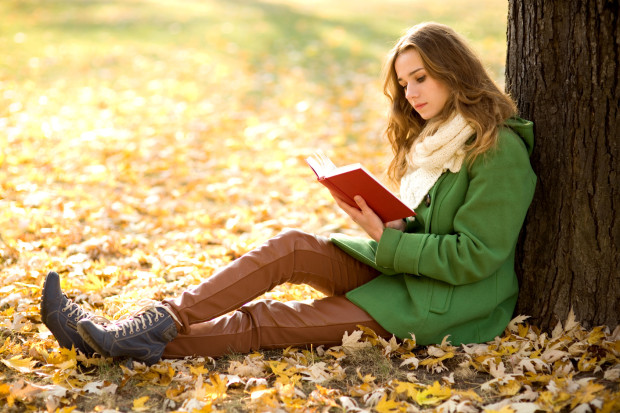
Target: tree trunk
563 70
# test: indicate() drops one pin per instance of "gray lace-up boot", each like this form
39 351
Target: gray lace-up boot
142 336
61 315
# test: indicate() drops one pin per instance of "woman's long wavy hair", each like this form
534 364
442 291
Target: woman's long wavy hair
448 59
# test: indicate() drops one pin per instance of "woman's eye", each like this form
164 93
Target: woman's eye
421 79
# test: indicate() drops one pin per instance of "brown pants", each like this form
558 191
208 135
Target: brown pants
210 329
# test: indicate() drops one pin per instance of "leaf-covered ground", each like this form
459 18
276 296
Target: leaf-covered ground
145 144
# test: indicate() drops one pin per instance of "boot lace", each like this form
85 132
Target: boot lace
138 321
74 310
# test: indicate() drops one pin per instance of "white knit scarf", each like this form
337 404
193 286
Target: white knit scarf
432 156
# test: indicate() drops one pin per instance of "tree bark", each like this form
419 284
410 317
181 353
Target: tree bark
563 68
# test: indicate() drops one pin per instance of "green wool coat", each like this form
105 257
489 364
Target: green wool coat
451 272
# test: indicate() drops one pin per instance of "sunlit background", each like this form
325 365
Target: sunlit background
146 143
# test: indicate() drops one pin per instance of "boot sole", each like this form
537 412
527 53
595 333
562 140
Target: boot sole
43 300
86 337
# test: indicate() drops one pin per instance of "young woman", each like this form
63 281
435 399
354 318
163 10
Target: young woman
462 161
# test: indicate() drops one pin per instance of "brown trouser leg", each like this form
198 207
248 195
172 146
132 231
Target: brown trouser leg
209 329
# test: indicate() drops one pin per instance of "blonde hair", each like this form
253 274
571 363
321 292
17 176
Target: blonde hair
448 59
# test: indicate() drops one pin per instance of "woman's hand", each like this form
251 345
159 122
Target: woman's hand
399 224
365 217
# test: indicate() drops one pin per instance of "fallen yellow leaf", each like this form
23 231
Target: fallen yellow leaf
433 394
139 404
23 365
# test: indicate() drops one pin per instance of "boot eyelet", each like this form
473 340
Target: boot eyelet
116 335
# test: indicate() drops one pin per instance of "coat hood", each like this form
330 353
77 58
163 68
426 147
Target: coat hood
523 128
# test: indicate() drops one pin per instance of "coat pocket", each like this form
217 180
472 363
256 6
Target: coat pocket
441 297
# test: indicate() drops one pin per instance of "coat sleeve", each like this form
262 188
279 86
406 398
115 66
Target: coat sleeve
486 226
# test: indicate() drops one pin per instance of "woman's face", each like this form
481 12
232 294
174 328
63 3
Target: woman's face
427 95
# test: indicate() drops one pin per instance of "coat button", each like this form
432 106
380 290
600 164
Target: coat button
427 200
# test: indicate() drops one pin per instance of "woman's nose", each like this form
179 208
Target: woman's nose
411 92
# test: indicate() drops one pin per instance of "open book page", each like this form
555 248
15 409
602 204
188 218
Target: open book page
323 167
320 164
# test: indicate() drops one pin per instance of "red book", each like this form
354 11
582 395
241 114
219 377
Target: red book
351 180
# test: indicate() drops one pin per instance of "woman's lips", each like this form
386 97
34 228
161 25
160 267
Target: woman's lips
420 106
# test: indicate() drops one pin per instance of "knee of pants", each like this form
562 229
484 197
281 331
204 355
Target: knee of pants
298 238
290 234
